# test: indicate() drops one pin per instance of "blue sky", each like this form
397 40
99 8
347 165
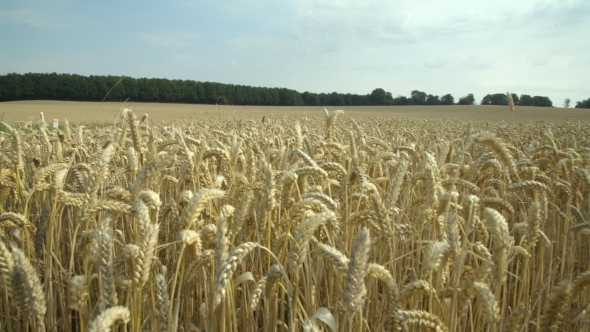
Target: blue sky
458 47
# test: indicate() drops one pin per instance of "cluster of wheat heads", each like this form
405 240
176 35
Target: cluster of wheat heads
292 224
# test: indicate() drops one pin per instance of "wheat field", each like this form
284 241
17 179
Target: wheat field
295 224
100 113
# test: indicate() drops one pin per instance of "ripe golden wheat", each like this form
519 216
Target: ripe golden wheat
292 224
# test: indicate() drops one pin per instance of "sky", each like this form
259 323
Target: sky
536 47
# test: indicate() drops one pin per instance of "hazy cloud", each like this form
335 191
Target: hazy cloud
170 39
29 17
458 47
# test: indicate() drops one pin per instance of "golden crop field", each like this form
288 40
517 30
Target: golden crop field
76 112
315 222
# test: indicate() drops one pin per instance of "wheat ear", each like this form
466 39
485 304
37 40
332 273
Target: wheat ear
6 268
197 205
434 257
555 306
104 321
257 293
78 292
299 247
132 121
148 251
498 146
422 318
395 183
414 287
335 257
222 241
489 305
29 288
502 240
162 301
108 291
228 269
355 291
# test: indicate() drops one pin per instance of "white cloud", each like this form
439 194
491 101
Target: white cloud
342 24
468 46
459 46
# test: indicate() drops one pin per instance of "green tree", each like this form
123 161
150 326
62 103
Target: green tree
389 98
432 100
583 104
336 99
467 100
191 94
147 90
360 100
210 92
541 101
566 103
495 99
378 97
324 99
115 86
27 87
130 87
273 97
48 88
255 96
419 97
310 99
401 100
100 88
11 87
347 99
447 99
526 100
167 92
53 86
289 97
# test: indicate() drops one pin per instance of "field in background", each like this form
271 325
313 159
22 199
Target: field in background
94 111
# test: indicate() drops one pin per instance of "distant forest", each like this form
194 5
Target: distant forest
38 86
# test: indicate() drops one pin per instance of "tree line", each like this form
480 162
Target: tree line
34 86
583 104
523 100
53 86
